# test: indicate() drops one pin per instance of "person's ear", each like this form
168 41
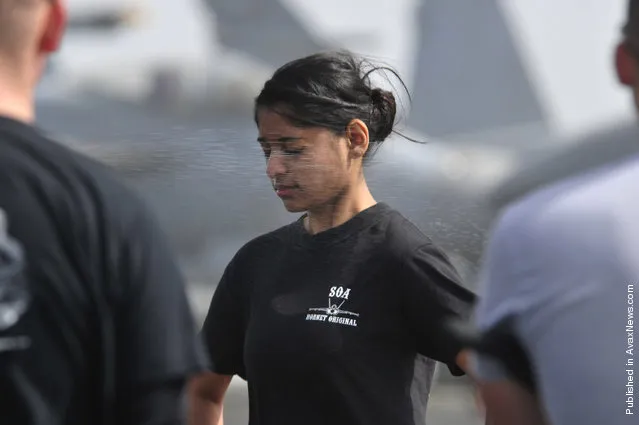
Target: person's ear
56 23
358 138
625 64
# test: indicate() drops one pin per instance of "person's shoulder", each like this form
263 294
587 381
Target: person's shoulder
266 244
402 235
584 155
548 192
404 241
47 158
596 191
60 172
585 209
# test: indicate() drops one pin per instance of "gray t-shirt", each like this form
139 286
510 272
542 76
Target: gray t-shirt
564 262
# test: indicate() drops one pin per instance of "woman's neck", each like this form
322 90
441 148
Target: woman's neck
346 207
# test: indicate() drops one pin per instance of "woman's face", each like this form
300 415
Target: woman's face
308 167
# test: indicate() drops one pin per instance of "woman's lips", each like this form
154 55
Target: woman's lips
284 191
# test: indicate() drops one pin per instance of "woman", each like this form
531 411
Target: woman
326 317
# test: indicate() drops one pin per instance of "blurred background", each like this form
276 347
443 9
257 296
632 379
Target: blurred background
162 90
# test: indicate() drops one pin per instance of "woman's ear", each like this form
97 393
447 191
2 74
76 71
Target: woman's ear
357 135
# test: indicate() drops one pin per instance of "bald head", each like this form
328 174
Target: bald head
19 27
29 31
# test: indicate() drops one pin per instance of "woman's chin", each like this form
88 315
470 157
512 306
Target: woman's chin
292 206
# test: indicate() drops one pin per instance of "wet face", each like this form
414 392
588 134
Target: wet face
308 167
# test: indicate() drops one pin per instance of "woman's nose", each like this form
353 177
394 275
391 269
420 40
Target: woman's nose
275 166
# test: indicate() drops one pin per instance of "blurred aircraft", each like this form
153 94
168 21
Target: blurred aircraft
125 48
173 117
478 100
206 178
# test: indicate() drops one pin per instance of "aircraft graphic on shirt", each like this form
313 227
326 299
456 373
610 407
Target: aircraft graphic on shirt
334 309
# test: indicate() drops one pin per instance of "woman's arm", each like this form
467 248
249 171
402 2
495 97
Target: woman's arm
206 398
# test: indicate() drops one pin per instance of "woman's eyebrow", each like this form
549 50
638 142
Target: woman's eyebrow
280 140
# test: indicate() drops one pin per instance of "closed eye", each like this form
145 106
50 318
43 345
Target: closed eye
293 151
287 152
284 143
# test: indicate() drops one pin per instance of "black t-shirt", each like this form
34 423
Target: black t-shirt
109 321
333 328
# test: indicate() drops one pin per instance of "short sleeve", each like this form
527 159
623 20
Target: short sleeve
225 324
433 294
155 328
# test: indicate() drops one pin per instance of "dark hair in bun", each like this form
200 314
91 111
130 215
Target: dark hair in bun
330 90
